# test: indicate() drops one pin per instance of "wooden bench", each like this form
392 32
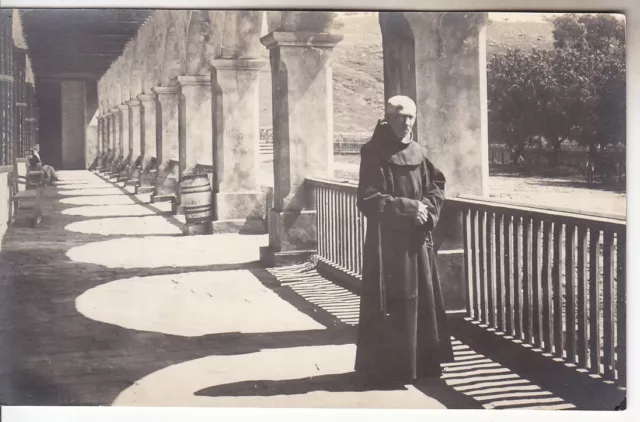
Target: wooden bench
27 203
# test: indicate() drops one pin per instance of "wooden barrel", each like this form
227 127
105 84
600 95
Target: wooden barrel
195 197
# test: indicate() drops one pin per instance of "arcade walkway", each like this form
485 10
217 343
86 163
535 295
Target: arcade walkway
107 303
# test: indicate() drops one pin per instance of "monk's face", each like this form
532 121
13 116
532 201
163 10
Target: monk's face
402 121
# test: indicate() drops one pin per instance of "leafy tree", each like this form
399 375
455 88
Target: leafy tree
509 100
575 92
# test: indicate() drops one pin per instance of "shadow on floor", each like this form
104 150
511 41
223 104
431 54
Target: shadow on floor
334 383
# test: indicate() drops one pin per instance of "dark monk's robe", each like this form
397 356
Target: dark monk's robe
411 340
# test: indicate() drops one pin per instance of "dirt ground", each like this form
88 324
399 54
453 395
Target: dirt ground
561 192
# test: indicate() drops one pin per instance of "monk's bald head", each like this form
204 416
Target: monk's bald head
400 104
401 116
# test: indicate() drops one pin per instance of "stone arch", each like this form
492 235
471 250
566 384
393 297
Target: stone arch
198 36
170 58
151 40
308 21
241 34
136 66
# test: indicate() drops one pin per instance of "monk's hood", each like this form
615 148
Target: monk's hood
389 148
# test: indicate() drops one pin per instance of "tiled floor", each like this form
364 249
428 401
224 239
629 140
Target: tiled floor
107 303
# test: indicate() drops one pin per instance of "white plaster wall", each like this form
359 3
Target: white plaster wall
5 205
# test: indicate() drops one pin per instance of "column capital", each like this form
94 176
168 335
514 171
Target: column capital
300 39
238 64
144 98
115 110
201 80
166 89
133 103
123 107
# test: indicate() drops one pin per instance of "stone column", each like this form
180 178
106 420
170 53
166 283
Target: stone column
439 59
303 138
117 146
135 135
196 137
106 142
102 141
125 142
166 185
99 147
239 202
149 143
91 149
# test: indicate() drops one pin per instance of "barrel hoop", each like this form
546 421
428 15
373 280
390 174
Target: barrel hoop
195 189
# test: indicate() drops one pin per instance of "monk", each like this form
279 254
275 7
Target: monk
402 334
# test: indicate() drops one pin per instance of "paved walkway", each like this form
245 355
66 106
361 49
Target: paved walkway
108 304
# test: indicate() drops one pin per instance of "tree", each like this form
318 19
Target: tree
590 69
509 100
601 32
574 92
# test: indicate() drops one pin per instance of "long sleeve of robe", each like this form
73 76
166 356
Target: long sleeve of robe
411 340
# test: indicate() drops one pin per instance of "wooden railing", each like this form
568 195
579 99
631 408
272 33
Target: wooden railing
341 228
551 279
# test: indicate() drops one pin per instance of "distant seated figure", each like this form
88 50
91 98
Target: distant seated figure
35 163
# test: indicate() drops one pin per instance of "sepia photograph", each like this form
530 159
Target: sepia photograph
313 209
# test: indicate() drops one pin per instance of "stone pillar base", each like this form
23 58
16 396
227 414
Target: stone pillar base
148 181
197 229
292 237
240 205
241 225
269 258
155 198
143 189
166 186
132 182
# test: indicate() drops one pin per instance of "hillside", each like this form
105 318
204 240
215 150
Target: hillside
358 90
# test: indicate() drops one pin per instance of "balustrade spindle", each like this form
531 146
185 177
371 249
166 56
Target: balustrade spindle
340 229
508 275
621 307
332 227
482 221
558 329
608 310
570 286
500 259
583 289
490 239
317 193
547 309
475 267
360 243
353 234
526 280
468 263
538 277
517 276
594 301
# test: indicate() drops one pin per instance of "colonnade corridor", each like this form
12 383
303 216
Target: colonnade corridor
107 303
